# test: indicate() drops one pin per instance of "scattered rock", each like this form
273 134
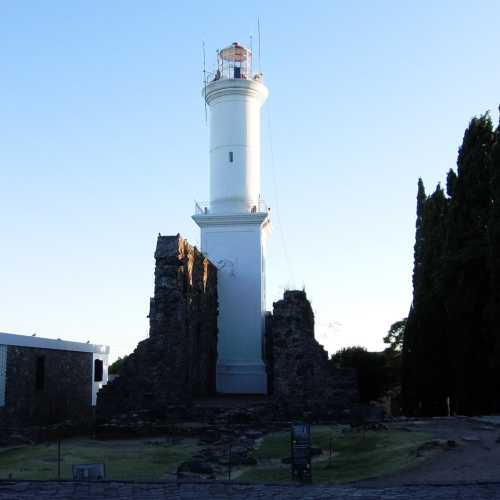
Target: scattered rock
253 434
210 436
16 439
433 444
239 450
248 460
196 467
470 438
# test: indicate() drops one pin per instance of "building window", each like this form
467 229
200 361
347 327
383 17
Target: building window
230 157
98 369
40 373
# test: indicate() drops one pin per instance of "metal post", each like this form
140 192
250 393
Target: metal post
229 449
59 459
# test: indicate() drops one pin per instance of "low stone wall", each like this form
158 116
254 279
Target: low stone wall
305 383
178 360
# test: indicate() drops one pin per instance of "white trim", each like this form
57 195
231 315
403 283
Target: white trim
97 386
44 343
224 88
256 218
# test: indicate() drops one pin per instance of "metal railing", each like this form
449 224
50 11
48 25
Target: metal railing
213 76
237 207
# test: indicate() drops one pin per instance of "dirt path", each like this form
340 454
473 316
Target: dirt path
475 458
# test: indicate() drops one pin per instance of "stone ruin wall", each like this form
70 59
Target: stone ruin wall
64 394
178 360
303 380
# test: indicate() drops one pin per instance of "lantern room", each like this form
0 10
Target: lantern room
234 63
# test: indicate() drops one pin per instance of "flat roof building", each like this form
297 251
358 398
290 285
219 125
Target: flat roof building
48 380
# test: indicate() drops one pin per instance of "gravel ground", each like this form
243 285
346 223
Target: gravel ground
475 458
234 491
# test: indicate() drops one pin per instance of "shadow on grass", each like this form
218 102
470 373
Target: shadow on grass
124 459
357 455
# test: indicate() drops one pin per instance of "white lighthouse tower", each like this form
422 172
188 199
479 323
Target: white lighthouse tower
235 221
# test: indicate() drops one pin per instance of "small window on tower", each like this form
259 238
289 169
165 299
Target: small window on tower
230 157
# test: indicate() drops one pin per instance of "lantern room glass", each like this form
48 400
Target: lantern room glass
234 63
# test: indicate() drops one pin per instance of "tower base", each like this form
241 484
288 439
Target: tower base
241 378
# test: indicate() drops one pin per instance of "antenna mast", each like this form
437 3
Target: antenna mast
204 80
258 31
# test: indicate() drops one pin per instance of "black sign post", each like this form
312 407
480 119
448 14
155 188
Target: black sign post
301 453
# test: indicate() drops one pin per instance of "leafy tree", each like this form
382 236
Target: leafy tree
373 379
114 368
395 335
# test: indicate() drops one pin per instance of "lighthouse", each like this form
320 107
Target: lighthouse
235 222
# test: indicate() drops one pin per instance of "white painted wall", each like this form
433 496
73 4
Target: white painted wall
234 243
232 231
235 128
3 373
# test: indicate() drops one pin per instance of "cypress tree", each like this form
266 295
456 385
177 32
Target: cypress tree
451 183
465 281
409 365
451 350
423 385
432 357
493 312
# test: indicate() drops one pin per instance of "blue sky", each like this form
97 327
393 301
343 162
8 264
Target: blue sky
103 145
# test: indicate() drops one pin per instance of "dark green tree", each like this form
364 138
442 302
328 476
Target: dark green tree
373 378
395 335
493 310
423 359
465 278
114 368
451 345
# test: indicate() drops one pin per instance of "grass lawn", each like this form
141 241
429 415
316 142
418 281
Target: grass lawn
357 455
133 459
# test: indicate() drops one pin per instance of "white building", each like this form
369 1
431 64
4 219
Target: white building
44 378
235 222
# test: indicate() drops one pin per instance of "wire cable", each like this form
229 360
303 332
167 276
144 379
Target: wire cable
276 198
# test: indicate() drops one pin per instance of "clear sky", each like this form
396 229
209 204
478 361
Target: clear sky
103 145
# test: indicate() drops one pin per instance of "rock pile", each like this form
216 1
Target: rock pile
233 447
